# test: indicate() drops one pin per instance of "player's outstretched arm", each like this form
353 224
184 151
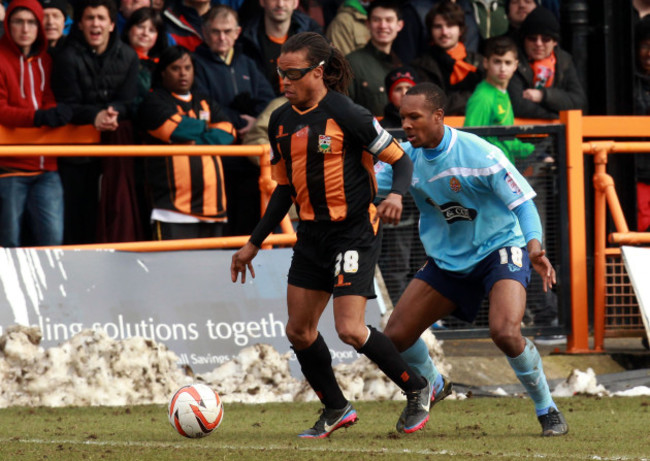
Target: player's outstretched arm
541 264
241 260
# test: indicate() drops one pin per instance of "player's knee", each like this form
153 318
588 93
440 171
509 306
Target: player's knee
352 336
300 337
507 340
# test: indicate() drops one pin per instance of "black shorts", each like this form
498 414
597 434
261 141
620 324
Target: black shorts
336 257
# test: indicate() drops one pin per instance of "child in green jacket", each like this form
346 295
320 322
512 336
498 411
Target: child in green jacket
490 103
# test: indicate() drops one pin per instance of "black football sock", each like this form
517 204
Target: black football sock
316 364
381 350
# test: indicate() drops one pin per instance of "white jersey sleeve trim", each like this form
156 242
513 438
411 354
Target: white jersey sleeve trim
529 196
464 171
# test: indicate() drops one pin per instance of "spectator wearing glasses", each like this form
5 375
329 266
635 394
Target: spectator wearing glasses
226 74
30 187
323 149
546 80
233 80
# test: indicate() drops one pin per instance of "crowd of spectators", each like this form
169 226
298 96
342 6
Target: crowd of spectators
95 62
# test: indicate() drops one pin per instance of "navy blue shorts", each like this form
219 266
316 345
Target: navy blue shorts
338 258
467 291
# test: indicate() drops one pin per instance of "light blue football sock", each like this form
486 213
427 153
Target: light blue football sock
417 356
530 372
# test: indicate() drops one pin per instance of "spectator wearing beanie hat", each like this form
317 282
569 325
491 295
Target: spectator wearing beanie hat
397 82
401 253
546 80
55 13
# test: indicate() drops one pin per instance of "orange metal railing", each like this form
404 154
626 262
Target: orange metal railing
579 128
267 184
605 198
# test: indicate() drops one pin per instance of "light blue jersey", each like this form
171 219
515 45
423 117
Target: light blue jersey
465 189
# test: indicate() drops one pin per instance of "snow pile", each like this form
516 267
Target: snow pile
585 383
89 369
92 369
580 382
258 374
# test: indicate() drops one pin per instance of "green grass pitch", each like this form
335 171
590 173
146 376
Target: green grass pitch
475 428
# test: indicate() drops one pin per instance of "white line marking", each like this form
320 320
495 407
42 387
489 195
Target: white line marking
317 449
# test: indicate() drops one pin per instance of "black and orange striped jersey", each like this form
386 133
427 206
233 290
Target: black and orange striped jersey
192 185
326 155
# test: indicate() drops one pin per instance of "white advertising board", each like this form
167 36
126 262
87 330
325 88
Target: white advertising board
182 299
637 264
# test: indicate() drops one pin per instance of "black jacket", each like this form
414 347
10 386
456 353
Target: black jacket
566 93
252 46
239 88
89 83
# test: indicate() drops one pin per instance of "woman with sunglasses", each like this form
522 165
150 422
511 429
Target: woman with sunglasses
323 147
546 80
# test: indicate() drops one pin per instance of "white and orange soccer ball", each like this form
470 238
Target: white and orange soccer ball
195 411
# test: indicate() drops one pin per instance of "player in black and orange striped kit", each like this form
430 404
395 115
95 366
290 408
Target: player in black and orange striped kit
323 149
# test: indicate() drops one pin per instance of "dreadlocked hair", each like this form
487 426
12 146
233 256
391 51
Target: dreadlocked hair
337 73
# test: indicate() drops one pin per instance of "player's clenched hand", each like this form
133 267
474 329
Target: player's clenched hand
241 260
390 209
543 267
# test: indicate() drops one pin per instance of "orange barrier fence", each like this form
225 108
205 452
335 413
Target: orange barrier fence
578 129
605 198
68 134
267 184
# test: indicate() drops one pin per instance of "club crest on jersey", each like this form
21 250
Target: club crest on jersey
512 183
454 184
454 211
324 144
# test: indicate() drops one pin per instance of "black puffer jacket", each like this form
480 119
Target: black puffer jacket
90 83
566 92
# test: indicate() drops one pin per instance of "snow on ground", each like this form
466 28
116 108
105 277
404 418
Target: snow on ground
580 382
92 369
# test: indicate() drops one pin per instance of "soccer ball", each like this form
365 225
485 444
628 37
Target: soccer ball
195 411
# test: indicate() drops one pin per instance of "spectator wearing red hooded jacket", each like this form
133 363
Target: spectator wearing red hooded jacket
30 188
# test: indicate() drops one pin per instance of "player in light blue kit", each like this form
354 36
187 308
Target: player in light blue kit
481 232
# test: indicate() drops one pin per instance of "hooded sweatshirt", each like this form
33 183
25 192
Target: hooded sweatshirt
24 85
